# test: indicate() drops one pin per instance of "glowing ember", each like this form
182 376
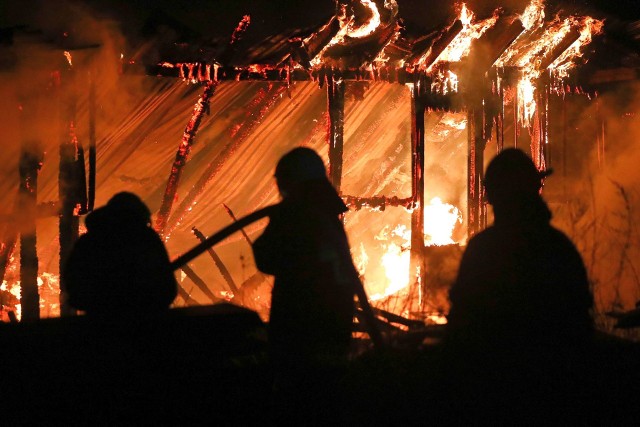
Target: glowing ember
67 55
349 28
436 319
439 221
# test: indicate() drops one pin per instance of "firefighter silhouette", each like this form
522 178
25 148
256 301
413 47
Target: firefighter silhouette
120 265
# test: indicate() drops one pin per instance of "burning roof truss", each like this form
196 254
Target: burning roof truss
475 64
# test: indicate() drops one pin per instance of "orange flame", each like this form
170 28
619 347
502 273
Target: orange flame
528 56
440 220
349 28
67 55
589 28
461 44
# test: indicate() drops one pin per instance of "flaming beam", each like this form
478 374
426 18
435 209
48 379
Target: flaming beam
486 50
182 154
568 40
440 45
260 106
377 202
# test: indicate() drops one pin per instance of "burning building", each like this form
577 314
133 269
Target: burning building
405 115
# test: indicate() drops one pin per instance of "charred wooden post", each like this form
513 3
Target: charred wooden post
417 178
233 217
71 177
335 131
476 207
197 280
190 131
30 163
91 193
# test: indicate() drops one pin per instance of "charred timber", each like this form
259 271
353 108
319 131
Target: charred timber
30 164
201 72
258 109
199 283
91 191
335 131
440 44
476 215
190 131
233 217
565 44
218 262
486 50
71 177
417 178
377 202
221 235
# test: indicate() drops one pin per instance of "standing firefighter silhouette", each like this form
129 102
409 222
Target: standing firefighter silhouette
521 281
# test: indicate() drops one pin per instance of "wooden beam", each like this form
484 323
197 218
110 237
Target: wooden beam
417 179
335 129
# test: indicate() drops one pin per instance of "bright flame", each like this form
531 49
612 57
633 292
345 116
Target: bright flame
67 55
461 44
48 289
439 221
349 29
396 264
529 56
589 28
361 260
533 15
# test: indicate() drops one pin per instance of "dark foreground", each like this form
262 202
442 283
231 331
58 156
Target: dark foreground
208 365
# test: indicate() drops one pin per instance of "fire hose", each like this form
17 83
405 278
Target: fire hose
367 312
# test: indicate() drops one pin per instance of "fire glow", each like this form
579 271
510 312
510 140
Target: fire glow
440 221
532 50
461 44
48 289
350 29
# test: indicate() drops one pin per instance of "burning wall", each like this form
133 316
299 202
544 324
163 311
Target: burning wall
252 123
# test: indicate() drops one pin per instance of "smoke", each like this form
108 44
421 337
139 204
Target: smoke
601 209
52 53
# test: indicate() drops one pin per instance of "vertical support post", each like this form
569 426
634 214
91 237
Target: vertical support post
417 179
71 177
31 157
476 210
500 121
335 131
91 194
